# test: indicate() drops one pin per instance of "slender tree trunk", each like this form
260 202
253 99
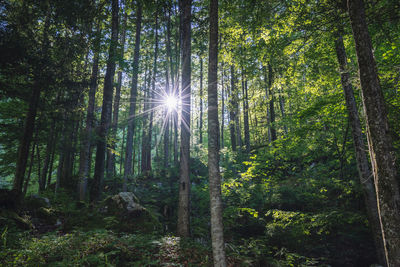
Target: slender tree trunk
222 107
29 125
201 100
49 149
363 166
184 183
128 164
232 114
28 178
246 115
282 107
152 96
114 128
271 104
106 108
217 228
87 136
145 128
53 153
379 139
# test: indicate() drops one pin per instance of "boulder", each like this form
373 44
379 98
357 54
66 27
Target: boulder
35 202
124 213
124 203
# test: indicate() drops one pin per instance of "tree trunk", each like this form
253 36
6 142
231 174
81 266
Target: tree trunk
106 108
29 125
222 107
217 230
184 183
128 164
114 128
49 149
201 100
379 139
232 114
363 166
87 136
246 115
271 104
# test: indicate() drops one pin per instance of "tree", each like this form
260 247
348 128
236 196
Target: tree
128 164
363 165
379 138
106 107
217 230
184 171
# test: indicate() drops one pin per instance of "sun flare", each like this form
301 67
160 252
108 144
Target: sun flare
171 102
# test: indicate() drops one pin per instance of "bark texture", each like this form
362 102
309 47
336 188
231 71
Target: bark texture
217 229
86 141
128 164
106 108
363 165
379 139
184 181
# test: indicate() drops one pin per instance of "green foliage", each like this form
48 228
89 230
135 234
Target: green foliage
93 248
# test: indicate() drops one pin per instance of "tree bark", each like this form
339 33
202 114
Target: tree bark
232 113
222 107
271 104
114 128
363 166
29 125
87 136
246 115
217 228
184 183
201 101
106 108
379 139
128 164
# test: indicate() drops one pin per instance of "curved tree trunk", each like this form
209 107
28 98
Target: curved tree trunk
379 139
363 166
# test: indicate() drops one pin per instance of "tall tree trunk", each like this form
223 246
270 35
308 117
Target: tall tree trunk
29 125
87 136
53 153
379 139
31 160
114 128
222 107
153 95
128 164
232 114
246 114
145 128
271 104
49 149
282 107
106 108
201 100
363 166
184 182
217 230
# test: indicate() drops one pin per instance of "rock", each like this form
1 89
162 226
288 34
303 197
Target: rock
48 215
122 203
35 202
125 214
20 222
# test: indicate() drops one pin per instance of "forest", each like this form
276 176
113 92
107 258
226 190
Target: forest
200 133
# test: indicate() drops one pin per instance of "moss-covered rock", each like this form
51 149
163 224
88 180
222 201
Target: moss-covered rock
125 209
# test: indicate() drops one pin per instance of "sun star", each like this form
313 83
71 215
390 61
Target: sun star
171 102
